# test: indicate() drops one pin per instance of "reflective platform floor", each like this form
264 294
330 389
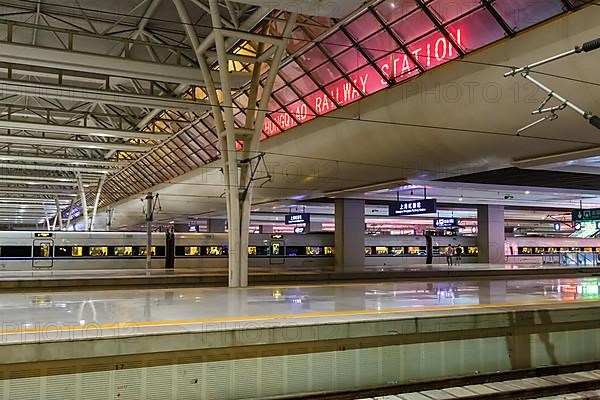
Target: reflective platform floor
35 274
96 313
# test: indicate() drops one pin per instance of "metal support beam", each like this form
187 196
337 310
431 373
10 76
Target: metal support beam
106 65
30 167
33 192
73 143
81 130
72 162
83 199
97 200
73 93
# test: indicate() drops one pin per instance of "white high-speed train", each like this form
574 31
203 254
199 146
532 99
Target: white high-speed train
208 251
21 250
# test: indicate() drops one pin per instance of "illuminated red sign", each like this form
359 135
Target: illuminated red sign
429 52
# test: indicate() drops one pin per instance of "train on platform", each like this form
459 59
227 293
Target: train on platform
20 250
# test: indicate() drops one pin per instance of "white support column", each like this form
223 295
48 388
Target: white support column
349 235
490 236
237 174
70 213
47 219
84 210
97 200
59 214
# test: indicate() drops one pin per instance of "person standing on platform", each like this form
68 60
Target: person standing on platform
459 253
449 254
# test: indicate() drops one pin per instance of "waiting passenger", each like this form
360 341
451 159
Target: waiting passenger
449 254
459 253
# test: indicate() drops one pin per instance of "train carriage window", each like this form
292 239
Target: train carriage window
98 251
213 251
539 250
123 251
329 251
414 250
191 251
294 251
314 251
62 251
76 251
473 250
397 251
276 249
525 250
368 251
262 250
251 250
597 249
15 251
43 250
380 250
587 249
142 250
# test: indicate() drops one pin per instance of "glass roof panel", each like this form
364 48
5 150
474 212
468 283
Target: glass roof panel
304 85
336 43
524 13
392 10
379 44
413 26
476 30
363 26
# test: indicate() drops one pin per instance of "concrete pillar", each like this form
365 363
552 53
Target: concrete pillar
266 229
216 225
349 235
490 236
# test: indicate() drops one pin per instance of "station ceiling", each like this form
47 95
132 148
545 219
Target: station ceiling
114 92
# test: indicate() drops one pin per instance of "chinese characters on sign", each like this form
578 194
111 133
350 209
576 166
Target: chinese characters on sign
297 219
445 222
426 206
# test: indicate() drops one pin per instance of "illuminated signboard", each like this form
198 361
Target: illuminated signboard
592 214
426 206
398 66
300 229
557 227
296 219
42 234
445 222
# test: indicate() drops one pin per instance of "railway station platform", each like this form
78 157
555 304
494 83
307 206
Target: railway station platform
260 342
130 278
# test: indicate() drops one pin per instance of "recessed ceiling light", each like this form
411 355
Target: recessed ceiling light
527 192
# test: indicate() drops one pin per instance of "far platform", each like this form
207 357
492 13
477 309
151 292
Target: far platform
56 279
